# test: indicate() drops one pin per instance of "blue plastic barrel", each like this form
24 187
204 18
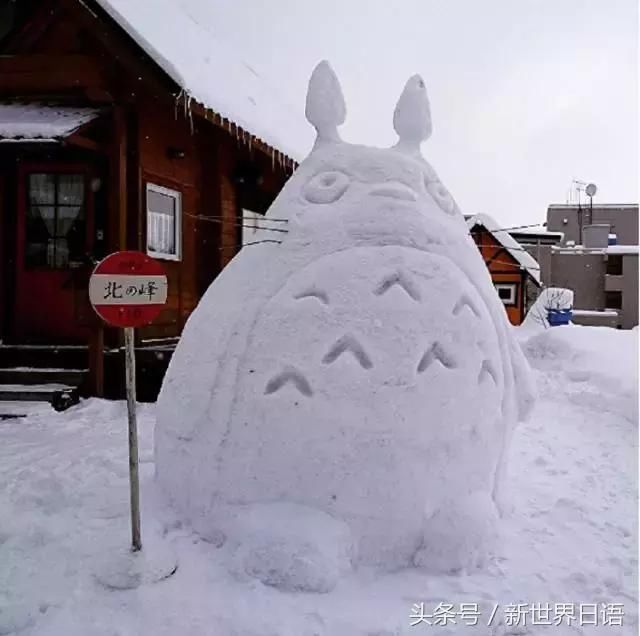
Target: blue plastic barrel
557 317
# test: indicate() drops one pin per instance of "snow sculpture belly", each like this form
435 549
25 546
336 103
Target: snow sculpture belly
371 368
362 369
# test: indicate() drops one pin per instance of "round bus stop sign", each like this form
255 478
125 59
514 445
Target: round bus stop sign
128 289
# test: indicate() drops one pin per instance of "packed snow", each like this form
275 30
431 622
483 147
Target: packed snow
363 369
571 536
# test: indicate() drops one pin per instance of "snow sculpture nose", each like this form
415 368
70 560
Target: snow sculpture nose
394 190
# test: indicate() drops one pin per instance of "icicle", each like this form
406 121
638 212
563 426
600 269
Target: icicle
190 114
273 159
176 102
412 116
325 108
250 143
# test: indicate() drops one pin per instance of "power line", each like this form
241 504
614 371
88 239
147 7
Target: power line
506 229
220 221
518 265
509 249
229 247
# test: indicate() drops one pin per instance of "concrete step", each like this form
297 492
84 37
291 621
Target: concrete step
34 375
44 356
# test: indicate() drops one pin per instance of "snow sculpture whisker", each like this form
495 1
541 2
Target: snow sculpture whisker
348 343
436 353
289 375
403 281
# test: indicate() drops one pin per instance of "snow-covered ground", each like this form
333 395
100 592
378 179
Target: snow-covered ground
571 537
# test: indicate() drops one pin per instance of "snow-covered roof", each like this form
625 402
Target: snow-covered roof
615 206
525 260
538 230
595 312
609 249
211 71
623 249
40 122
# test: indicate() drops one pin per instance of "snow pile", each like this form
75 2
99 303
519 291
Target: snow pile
363 368
537 317
599 363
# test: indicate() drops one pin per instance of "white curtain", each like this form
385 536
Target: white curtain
70 193
42 196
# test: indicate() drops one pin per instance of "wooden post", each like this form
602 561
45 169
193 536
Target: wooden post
134 482
118 181
96 359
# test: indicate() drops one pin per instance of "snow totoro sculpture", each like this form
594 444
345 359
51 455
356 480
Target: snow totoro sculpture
347 396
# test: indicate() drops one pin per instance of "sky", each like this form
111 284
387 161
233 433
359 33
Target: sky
525 95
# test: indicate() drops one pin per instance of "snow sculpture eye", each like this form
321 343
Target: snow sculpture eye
441 196
326 187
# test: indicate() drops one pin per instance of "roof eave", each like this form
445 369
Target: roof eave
177 90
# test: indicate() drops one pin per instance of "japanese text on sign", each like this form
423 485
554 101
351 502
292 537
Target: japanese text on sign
108 289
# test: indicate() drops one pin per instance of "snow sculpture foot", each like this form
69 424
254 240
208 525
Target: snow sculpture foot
291 547
460 535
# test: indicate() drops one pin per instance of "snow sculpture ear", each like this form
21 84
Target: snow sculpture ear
325 109
412 116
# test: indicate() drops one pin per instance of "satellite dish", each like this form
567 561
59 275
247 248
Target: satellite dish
591 189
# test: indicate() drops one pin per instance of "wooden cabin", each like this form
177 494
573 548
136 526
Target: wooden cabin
514 272
104 146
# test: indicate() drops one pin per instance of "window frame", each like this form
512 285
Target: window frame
513 288
608 295
56 172
176 195
615 265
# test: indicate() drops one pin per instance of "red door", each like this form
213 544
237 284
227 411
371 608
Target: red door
54 236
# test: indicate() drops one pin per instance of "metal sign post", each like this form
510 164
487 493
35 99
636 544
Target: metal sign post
134 480
128 290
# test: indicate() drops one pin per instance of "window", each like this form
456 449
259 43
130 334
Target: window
613 300
164 222
506 292
614 264
251 226
55 229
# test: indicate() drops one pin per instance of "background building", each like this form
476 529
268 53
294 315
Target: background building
514 272
594 252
